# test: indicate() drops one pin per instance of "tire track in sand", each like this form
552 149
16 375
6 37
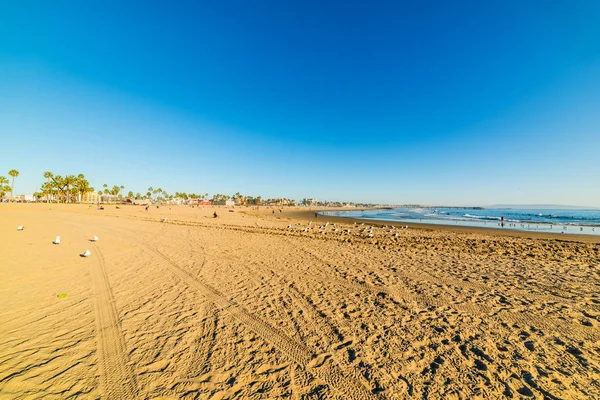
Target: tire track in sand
318 366
117 380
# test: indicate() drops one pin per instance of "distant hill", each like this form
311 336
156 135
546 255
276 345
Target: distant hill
542 207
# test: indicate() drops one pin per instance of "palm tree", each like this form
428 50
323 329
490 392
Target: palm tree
3 186
121 188
83 186
48 175
69 181
14 173
130 194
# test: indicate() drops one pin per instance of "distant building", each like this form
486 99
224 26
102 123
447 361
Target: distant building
24 198
309 202
90 197
227 203
142 202
199 202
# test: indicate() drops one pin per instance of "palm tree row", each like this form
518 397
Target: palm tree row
67 189
73 188
5 188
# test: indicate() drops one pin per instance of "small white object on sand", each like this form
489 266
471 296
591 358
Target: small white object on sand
57 240
20 227
86 253
94 239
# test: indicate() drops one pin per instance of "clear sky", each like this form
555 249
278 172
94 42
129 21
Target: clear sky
433 102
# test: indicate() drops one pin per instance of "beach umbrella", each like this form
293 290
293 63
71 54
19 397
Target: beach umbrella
20 227
94 239
86 253
57 240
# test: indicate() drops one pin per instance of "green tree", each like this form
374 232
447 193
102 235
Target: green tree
60 184
83 186
49 175
70 180
4 188
130 194
14 173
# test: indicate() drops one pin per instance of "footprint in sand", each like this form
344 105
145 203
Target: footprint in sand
319 360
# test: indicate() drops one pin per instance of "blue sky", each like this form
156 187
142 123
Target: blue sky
458 103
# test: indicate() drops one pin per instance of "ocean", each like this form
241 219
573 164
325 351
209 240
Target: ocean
586 222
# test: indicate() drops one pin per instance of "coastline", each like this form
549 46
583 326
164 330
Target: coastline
309 215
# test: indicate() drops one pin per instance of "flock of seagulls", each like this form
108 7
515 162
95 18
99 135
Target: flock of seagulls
367 231
56 241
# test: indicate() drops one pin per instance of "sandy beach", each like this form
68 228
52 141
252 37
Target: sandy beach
263 306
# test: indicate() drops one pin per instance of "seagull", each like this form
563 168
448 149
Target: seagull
57 240
86 253
20 228
94 239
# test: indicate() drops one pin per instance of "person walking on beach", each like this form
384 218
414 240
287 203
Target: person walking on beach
502 221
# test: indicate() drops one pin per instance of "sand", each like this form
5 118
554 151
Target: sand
244 307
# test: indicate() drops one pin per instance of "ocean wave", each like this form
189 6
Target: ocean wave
483 217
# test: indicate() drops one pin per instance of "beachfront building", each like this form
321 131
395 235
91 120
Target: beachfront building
310 202
227 203
25 198
199 202
90 197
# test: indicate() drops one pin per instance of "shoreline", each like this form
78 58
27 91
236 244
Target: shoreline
309 215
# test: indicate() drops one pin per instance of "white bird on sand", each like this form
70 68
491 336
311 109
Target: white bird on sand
86 253
57 240
94 239
20 227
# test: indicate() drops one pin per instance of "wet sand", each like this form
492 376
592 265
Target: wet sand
244 307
